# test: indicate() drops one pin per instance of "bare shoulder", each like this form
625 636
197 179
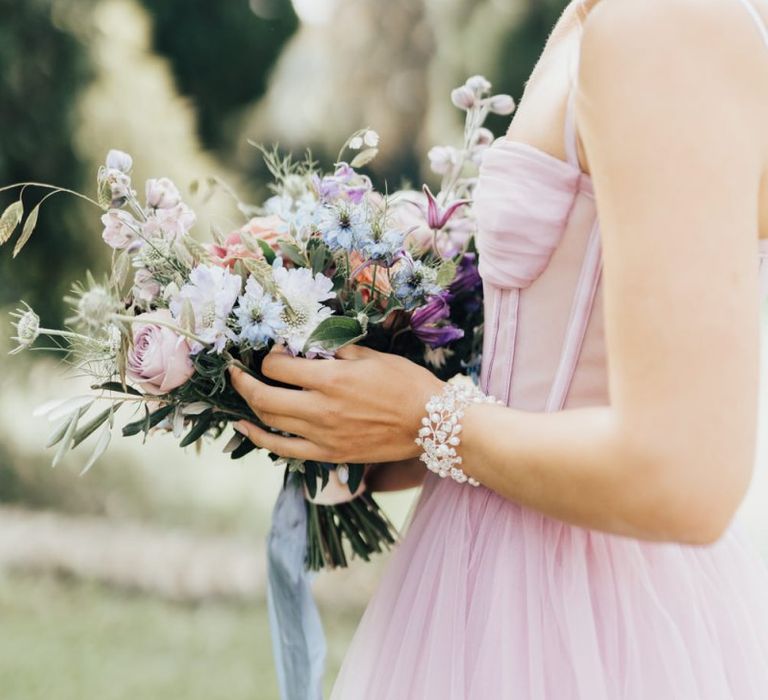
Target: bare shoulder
681 60
679 32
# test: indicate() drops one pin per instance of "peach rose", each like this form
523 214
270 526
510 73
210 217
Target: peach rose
266 228
364 279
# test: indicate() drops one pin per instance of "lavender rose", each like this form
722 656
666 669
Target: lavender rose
159 359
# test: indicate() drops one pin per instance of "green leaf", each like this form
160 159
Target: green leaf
147 422
117 387
67 438
26 232
335 332
446 272
99 449
104 194
355 476
90 427
364 157
201 425
10 220
310 479
292 252
269 254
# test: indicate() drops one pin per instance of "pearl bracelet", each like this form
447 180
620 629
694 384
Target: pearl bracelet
439 434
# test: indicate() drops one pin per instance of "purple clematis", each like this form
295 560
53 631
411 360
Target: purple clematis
467 277
429 322
437 217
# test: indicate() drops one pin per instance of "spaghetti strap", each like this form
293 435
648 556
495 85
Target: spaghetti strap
758 19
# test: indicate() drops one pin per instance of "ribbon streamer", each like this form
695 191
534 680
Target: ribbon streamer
298 640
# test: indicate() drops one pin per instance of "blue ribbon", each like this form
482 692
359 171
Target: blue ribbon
298 641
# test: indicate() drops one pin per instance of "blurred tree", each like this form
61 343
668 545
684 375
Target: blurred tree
43 66
221 53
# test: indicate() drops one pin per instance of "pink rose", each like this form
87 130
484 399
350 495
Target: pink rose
158 360
265 228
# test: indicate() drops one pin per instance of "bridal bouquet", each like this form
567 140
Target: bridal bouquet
325 261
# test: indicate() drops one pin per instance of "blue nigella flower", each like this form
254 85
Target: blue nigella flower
344 226
259 315
414 282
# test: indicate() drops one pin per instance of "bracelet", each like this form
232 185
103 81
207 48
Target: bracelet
439 434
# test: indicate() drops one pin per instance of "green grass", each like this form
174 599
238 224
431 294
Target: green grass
68 640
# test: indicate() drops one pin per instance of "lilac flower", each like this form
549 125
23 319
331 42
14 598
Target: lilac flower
429 322
437 217
467 277
115 174
145 287
259 315
173 222
345 183
211 293
121 230
303 294
443 158
119 160
414 282
162 193
344 226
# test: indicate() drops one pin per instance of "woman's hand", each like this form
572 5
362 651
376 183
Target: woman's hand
364 406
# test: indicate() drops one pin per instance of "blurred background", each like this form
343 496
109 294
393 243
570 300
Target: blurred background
145 578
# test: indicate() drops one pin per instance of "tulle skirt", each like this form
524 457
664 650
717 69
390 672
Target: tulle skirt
485 599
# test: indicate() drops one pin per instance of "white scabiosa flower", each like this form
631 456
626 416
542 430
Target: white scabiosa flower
303 294
211 292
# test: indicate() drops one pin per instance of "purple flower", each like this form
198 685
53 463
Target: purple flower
437 217
467 277
429 325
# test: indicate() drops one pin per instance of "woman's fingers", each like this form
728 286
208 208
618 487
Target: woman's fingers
293 447
281 366
266 399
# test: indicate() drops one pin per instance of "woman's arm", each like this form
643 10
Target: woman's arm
673 133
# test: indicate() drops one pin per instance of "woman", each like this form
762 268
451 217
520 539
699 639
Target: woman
600 557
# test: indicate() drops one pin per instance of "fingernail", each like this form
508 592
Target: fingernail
240 428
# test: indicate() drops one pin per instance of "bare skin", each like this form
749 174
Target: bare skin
672 133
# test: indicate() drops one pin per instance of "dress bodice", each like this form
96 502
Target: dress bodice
540 260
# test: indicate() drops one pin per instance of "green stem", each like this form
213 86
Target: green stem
158 322
51 187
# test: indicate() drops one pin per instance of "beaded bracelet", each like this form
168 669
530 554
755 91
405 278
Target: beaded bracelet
439 434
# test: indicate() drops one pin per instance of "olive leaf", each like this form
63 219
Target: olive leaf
26 231
99 449
10 220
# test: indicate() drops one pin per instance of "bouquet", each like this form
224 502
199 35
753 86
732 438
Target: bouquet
325 261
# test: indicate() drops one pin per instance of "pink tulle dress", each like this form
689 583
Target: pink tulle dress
485 599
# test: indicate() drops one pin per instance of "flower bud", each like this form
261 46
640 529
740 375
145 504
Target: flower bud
482 137
119 160
371 138
441 159
162 193
478 84
356 143
501 104
463 98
